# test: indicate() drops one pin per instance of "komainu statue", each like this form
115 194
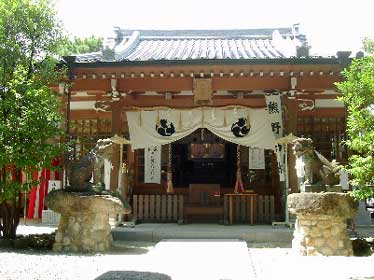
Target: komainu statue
319 171
80 172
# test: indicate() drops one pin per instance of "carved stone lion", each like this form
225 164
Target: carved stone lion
318 169
80 172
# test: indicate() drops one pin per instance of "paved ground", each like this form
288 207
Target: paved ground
158 232
181 259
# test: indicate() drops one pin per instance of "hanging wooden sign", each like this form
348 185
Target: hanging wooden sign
202 89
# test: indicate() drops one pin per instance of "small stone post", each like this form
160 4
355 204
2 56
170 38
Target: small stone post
321 227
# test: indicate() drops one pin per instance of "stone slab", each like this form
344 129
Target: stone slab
155 232
363 216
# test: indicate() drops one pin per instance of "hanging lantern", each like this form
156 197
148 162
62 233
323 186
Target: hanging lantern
239 188
169 175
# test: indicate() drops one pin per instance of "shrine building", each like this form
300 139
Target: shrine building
203 111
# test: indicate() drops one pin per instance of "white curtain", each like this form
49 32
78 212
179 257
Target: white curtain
243 126
144 133
228 125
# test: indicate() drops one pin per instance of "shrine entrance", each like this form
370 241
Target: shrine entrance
203 158
198 152
204 165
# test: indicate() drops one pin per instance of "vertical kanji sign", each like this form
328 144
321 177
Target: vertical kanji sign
274 109
152 165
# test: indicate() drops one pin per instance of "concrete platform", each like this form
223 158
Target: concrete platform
157 232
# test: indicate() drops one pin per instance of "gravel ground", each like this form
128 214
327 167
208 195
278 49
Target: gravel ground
134 260
46 265
138 260
281 263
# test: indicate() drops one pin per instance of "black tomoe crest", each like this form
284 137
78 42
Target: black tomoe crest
240 128
164 129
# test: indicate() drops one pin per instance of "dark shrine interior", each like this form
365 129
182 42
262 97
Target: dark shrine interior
203 158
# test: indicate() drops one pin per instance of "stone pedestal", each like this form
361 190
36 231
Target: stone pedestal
84 224
320 227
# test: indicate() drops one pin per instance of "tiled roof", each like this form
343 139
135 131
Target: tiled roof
164 45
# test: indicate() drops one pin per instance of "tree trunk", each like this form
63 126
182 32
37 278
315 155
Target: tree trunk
10 212
9 219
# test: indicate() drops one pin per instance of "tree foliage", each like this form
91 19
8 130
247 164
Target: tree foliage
80 45
29 114
358 95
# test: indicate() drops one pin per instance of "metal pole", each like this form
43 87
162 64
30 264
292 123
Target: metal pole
120 174
287 181
24 208
70 60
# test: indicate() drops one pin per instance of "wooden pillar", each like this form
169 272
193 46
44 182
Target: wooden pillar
131 166
291 127
116 129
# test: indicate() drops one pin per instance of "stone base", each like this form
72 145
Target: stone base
321 235
83 233
321 227
84 224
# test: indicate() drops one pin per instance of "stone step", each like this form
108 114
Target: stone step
261 234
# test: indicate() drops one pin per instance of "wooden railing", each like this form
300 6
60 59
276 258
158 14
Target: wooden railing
169 208
157 208
263 209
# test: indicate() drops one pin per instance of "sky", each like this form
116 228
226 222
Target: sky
330 25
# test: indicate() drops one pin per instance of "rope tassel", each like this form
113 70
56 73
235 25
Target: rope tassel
248 120
180 124
239 188
224 119
169 175
140 119
158 117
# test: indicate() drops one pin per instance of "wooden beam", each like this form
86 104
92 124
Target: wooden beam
324 112
91 85
234 83
317 82
89 114
154 84
248 84
187 101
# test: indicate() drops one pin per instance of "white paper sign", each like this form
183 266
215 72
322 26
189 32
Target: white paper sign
152 165
274 109
107 171
344 179
256 158
54 185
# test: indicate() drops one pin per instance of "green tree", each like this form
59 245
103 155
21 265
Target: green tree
358 95
80 45
29 114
